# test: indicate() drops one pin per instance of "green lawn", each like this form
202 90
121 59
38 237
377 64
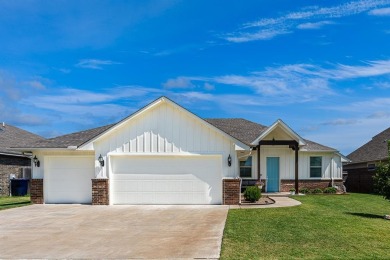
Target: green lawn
13 202
323 227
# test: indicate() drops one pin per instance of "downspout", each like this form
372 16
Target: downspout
331 170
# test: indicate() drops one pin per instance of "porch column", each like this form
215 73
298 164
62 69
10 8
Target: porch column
296 169
258 162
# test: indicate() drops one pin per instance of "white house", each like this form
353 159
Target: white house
164 154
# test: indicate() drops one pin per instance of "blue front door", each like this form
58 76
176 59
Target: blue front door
272 174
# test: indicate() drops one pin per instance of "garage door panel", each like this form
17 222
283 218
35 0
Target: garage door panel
166 180
68 179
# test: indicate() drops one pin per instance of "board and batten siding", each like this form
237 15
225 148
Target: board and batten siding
166 129
330 167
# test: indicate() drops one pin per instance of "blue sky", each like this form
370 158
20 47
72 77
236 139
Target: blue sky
321 66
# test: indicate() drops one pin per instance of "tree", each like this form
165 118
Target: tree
382 176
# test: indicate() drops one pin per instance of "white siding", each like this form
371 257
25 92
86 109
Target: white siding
331 168
165 129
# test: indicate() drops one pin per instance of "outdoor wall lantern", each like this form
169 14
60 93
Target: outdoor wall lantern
101 160
36 161
229 160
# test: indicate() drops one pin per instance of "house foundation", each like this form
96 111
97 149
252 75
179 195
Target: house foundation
286 185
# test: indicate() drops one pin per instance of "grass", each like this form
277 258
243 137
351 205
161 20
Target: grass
13 202
323 227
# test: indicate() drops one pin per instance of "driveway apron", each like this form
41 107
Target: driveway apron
83 231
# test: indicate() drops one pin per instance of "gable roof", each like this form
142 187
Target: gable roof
285 127
160 100
11 136
242 130
374 150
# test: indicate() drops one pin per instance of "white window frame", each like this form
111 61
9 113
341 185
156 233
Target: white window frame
250 167
316 167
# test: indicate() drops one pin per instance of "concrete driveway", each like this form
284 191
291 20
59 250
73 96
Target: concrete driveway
83 231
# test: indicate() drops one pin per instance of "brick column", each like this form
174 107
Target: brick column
36 191
100 192
231 191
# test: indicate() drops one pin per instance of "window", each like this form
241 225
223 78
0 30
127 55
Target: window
371 166
316 167
246 168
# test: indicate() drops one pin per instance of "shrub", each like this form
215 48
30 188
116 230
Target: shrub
304 191
330 190
382 176
316 191
252 193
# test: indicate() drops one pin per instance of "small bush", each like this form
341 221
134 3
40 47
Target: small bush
330 190
304 191
252 193
316 191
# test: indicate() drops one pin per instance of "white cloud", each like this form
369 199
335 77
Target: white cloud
208 86
95 64
380 12
315 25
380 114
311 17
341 122
179 82
265 34
36 84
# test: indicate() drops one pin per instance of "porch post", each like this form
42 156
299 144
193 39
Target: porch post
296 169
258 162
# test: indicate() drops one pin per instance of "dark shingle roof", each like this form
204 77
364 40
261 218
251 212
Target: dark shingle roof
11 136
313 146
239 128
73 139
374 150
247 131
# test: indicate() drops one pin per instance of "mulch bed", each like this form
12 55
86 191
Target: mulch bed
264 200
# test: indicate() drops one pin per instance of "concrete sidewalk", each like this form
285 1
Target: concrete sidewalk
280 202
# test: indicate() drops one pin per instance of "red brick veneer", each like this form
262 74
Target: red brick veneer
100 192
36 191
286 185
231 191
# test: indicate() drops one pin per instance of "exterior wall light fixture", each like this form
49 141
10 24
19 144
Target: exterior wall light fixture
101 160
229 161
37 163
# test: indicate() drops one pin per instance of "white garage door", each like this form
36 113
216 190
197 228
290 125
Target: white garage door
166 179
67 179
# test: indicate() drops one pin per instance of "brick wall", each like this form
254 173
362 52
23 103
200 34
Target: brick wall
286 185
11 165
100 192
36 191
231 191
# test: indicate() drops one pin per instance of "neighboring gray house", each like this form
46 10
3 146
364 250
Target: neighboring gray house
164 154
363 162
13 163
